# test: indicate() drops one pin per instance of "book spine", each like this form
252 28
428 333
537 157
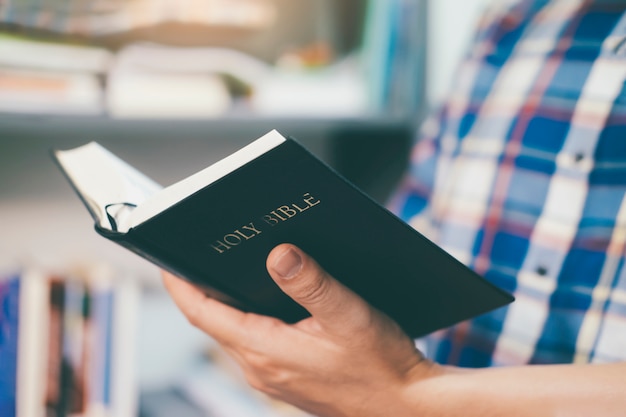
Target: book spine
75 319
32 342
101 360
123 386
57 338
9 325
58 376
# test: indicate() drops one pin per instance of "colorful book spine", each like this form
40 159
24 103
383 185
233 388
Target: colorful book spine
376 49
9 325
394 53
101 361
75 353
66 346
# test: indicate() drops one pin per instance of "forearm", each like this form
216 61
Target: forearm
534 391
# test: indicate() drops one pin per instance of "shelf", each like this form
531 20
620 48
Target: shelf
33 123
369 151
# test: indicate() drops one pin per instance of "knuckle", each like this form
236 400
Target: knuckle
259 327
364 324
266 372
266 379
257 361
280 378
272 380
255 382
195 313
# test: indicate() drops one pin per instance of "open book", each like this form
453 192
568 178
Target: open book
216 228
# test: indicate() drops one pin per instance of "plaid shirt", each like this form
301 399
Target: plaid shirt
522 176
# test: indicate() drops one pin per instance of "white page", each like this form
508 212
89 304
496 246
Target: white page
102 179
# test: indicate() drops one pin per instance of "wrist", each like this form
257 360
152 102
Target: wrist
417 388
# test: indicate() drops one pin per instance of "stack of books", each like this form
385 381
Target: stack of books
149 80
49 78
205 59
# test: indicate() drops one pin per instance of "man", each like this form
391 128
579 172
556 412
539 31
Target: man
522 176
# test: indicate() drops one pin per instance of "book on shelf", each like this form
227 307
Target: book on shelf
9 325
51 78
393 53
49 92
24 52
216 228
149 80
94 18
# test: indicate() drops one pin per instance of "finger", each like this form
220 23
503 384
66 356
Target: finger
220 321
329 302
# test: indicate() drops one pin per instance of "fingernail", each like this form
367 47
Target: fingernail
288 264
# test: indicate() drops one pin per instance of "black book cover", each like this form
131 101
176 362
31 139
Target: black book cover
219 239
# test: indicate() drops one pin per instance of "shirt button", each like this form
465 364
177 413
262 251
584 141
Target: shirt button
541 270
579 156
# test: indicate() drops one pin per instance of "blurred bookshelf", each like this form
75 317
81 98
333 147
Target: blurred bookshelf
210 59
173 86
325 72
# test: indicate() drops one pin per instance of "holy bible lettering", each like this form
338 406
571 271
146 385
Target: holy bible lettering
235 238
273 218
283 213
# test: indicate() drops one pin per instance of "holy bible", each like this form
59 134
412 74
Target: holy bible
216 228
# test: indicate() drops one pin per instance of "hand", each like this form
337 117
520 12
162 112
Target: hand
347 359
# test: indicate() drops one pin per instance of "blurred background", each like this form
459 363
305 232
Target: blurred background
172 86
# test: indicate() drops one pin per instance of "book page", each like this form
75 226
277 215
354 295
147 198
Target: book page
120 197
106 183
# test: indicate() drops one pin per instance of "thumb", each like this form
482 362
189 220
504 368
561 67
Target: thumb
331 303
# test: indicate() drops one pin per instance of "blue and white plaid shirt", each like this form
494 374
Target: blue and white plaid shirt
522 176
